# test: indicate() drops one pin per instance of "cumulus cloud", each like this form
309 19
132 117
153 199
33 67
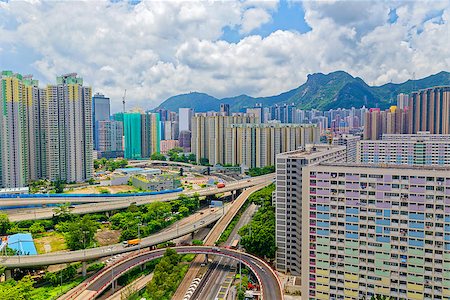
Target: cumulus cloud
159 49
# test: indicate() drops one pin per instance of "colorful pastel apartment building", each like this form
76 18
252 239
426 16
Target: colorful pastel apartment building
363 229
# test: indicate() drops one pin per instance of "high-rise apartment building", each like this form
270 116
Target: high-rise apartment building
351 144
372 229
288 201
184 119
45 133
14 135
69 124
354 230
406 149
184 140
100 112
209 136
225 108
110 138
429 110
150 134
256 145
402 101
132 135
390 121
142 134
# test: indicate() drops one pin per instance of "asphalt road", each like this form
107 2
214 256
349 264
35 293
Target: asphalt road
109 204
212 280
95 253
270 285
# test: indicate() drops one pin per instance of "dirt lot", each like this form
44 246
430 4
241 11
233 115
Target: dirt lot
107 237
98 189
50 242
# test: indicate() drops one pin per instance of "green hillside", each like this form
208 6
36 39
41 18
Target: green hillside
320 91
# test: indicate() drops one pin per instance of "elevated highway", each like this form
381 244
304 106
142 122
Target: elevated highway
109 204
225 213
270 285
231 186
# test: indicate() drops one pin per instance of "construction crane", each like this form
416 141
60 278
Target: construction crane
123 99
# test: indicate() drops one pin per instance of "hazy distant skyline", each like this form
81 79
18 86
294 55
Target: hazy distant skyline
159 49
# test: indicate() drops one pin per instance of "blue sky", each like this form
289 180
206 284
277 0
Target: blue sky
288 16
225 48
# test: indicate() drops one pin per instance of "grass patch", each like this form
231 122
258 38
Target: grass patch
53 292
55 239
226 233
188 257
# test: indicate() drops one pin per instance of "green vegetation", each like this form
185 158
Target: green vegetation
197 242
5 225
109 164
80 233
176 154
167 276
153 216
158 156
321 91
258 237
135 273
261 171
242 286
17 290
64 275
48 292
59 186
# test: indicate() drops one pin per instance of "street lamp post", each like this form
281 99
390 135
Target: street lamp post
84 241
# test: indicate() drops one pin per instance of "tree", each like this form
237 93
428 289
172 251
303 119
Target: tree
20 290
81 233
62 213
5 225
37 228
183 210
204 161
158 156
59 186
191 157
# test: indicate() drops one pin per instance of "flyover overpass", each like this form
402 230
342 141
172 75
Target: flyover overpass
123 202
22 261
231 186
271 288
17 261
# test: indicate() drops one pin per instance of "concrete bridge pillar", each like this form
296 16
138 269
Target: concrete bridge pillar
8 274
206 258
83 268
192 234
233 195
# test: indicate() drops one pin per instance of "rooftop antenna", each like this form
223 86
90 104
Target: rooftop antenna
123 99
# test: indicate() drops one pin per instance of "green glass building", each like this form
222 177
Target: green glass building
132 133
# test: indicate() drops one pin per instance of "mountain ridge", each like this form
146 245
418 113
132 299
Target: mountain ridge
337 89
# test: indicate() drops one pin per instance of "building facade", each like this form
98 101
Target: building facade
351 144
100 112
110 140
45 133
184 118
288 201
256 145
209 135
375 230
429 110
406 149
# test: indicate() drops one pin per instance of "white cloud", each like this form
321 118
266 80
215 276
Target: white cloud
159 49
253 18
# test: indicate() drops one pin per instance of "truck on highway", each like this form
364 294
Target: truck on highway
133 242
220 185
